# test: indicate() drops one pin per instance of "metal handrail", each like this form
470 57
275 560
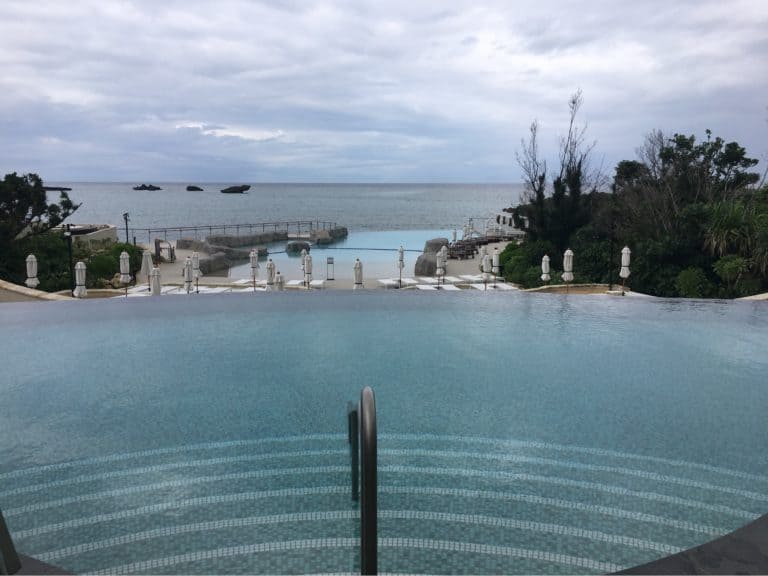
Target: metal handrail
9 559
362 439
353 437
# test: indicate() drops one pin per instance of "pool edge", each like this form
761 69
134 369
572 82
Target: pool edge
743 551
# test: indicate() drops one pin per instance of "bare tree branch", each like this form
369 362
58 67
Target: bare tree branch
534 168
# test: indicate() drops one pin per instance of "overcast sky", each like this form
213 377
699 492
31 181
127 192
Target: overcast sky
359 90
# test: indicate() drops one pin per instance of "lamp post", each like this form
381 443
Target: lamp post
126 218
68 238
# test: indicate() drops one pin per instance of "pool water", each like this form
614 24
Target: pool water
378 251
519 433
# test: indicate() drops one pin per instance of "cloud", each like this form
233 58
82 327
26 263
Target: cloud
362 89
242 132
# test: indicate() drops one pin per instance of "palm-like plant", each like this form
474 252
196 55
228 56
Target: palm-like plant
730 228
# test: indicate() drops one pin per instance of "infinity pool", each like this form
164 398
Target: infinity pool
519 433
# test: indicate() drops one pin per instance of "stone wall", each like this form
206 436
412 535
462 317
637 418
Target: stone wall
239 247
208 248
246 239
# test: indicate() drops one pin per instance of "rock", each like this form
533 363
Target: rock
234 253
339 232
433 246
147 187
325 236
426 265
322 237
231 252
296 246
236 189
214 263
194 189
247 239
193 244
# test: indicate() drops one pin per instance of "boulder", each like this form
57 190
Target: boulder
235 253
433 246
214 263
426 265
236 189
194 189
296 246
147 187
325 236
338 232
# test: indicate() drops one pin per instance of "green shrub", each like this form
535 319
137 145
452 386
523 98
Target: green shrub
693 283
103 266
521 264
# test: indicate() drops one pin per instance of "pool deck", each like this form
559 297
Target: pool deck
743 551
31 566
10 292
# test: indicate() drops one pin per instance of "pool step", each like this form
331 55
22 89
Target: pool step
283 505
620 508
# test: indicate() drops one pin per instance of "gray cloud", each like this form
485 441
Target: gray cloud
362 90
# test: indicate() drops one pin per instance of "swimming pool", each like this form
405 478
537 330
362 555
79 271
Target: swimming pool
376 250
519 433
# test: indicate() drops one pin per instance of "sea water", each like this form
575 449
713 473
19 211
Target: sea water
359 207
380 217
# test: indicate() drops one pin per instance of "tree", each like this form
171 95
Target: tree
674 173
25 212
693 283
534 168
731 270
24 207
555 218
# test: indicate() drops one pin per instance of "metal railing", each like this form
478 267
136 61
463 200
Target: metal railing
9 559
361 420
297 227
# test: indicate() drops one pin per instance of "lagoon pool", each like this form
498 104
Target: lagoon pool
376 250
519 433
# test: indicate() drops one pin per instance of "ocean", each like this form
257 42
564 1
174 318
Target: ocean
359 207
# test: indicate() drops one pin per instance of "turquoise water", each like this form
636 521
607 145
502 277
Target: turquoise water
379 216
359 207
520 433
376 250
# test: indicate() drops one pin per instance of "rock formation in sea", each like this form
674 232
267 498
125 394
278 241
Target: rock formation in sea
236 189
296 246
